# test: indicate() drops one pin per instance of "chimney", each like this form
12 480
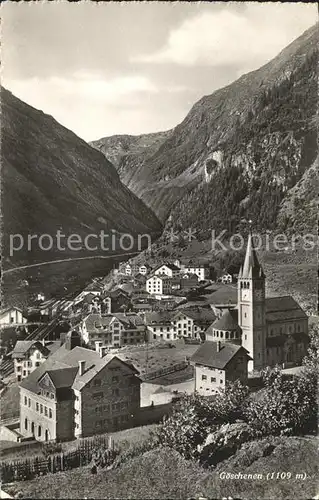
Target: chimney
103 350
81 367
98 344
218 346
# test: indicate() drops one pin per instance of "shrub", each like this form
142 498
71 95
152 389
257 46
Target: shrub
286 407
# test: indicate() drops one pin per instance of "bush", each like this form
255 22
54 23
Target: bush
286 407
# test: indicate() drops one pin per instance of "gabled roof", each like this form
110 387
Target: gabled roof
159 318
62 367
283 309
251 268
62 377
87 299
198 314
208 355
8 309
228 321
22 347
173 267
95 322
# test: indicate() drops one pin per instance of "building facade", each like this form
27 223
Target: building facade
27 355
217 363
78 392
159 284
113 330
12 316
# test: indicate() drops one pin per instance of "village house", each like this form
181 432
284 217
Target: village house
27 355
169 270
273 330
78 392
91 303
227 278
159 284
113 330
182 323
190 267
12 316
144 269
188 280
217 363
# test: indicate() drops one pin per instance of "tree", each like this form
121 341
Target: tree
188 425
196 416
285 406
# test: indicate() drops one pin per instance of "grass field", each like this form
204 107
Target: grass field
152 359
164 474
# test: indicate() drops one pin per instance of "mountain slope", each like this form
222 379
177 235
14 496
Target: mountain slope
241 149
127 152
52 180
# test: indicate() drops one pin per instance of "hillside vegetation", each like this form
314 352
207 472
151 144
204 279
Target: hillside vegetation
52 180
239 151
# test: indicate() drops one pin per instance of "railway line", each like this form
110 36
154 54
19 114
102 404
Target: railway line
43 332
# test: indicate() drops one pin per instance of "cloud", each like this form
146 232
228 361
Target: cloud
248 38
93 106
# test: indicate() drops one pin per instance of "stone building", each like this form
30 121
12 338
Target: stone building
217 363
78 392
274 330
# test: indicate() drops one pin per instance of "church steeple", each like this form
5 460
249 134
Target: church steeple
251 269
252 307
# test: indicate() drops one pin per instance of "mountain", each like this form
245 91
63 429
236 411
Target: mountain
127 152
240 150
298 212
52 180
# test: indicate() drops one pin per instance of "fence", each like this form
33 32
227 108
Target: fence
100 450
164 371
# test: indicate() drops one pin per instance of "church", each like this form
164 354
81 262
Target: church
273 330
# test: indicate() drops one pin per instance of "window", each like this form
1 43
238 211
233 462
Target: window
41 408
204 377
39 431
25 400
97 395
213 379
26 424
29 402
220 381
37 406
50 413
45 411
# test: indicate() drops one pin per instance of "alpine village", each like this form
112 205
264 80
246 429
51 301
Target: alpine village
177 370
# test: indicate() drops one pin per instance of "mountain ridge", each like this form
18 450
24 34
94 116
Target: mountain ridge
257 131
54 181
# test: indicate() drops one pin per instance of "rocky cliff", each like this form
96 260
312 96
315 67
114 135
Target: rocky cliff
240 150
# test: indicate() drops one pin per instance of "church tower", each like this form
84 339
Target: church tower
251 307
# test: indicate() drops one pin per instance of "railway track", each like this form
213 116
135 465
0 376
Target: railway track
42 333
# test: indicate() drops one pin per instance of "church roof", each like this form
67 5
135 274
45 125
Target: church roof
251 267
283 309
228 321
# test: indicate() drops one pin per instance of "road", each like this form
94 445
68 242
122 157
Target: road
71 259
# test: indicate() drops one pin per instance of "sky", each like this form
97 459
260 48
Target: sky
136 67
